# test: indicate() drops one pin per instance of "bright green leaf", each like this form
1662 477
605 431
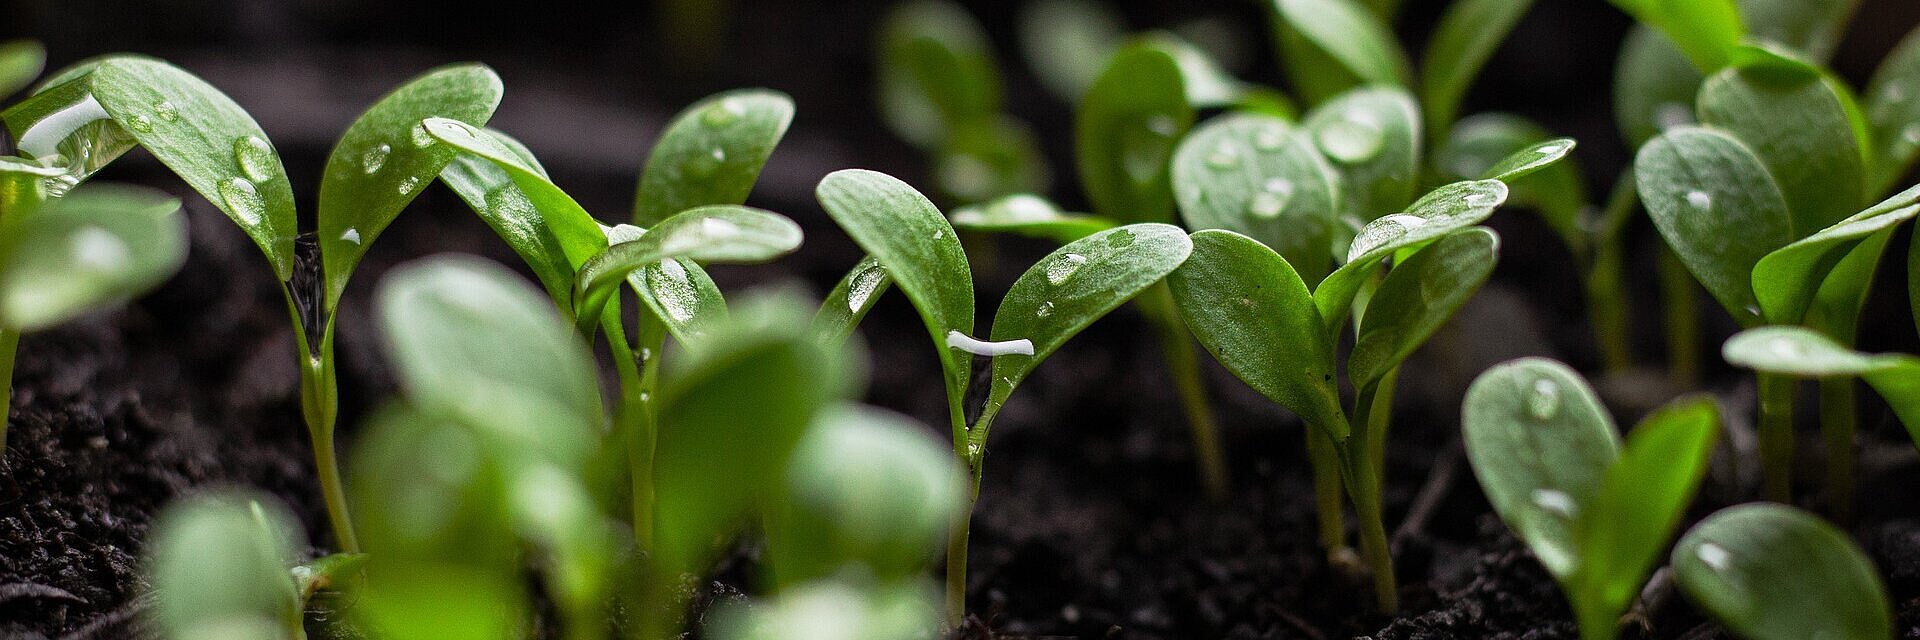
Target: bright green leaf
95 247
852 298
713 233
1773 572
1258 176
1803 352
579 234
20 62
1641 500
1706 30
1125 132
1418 297
1536 166
1028 215
1717 206
492 193
1893 109
1373 138
1467 35
1795 119
1786 280
1350 35
1529 160
936 73
219 565
711 153
1438 214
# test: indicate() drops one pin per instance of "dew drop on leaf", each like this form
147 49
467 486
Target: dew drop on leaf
242 200
1555 501
1911 134
1270 138
140 123
1119 238
165 111
1356 137
1224 157
421 139
1552 149
1715 556
1700 200
1063 267
1045 309
375 158
58 186
724 113
862 286
351 235
1382 231
1272 199
668 280
255 158
408 185
1544 402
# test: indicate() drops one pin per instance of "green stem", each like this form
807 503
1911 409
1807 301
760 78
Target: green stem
1682 305
1596 622
1379 417
962 525
1605 278
320 406
634 417
1330 499
1838 420
1363 476
9 344
1184 366
1776 435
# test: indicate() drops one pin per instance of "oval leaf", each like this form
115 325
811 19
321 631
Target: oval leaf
1773 572
714 233
386 157
937 72
492 193
1802 352
1540 443
1067 41
1351 36
1028 215
1467 35
1250 309
1373 138
1893 110
1534 165
579 234
95 247
1654 86
1796 120
20 62
852 298
1786 281
1125 132
711 153
219 565
1641 500
1257 176
1717 207
1417 298
1436 215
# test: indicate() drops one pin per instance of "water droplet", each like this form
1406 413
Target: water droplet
1893 93
409 185
256 159
1356 137
717 228
1046 309
1700 200
1119 239
140 123
1224 157
351 235
1162 124
1144 150
1715 556
1544 403
1556 148
97 249
939 234
1063 267
421 139
862 286
724 113
703 165
1249 303
1555 501
375 158
58 186
1380 232
165 111
1911 134
1476 199
1270 138
668 280
1272 199
1026 207
243 201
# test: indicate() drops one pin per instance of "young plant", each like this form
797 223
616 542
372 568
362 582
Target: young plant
220 567
1773 572
914 247
1597 515
1804 353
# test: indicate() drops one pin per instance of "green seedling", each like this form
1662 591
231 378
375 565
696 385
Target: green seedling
914 248
99 109
1773 572
1804 353
220 565
1596 514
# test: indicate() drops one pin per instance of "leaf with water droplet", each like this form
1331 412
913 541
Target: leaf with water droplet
1125 132
1486 145
711 153
899 227
96 247
1438 214
1803 352
682 296
1077 284
1799 121
1374 135
1357 46
1529 160
63 125
1782 574
491 192
1748 217
20 62
1516 453
713 233
1283 193
200 147
1418 297
1893 112
375 169
852 298
1273 339
1461 43
1028 215
1787 281
578 234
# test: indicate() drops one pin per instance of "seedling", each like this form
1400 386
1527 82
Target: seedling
914 247
1596 515
221 567
1773 572
1804 353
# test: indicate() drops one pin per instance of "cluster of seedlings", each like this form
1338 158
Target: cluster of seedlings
1310 242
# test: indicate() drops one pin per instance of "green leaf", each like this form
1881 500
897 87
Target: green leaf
404 599
1796 119
386 158
1467 35
63 125
1541 445
1654 86
904 231
1208 86
579 234
212 144
471 341
1802 352
1913 279
1810 26
1641 500
936 73
426 488
682 296
219 562
1893 110
1529 160
1373 138
1258 176
831 609
1534 165
989 158
1350 35
731 415
852 298
1067 42
1785 281
1417 298
1125 132
95 247
1072 287
492 193
866 488
20 62
713 233
1250 310
711 153
1436 215
1718 208
1706 30
1773 572
23 185
1028 215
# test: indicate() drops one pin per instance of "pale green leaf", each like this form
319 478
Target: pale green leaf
1438 214
1810 26
1641 500
219 565
1785 281
713 233
1067 41
1773 572
1717 207
711 153
95 247
936 72
1802 352
1418 297
1028 215
1893 109
1350 35
1258 176
1467 35
1373 138
20 62
579 234
1125 132
1796 120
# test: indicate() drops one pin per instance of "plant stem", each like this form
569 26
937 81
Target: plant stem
9 344
1596 622
1605 278
634 417
1682 306
962 525
1776 435
1330 502
1364 477
320 406
1838 420
1379 417
1184 366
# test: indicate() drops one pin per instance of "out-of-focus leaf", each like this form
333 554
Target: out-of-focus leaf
219 564
1706 30
1813 27
1028 215
711 153
1347 34
1258 176
936 71
852 298
1773 572
20 62
1803 352
1642 498
1893 109
1125 132
1467 35
95 247
834 610
1373 138
1067 41
1717 207
1654 86
989 158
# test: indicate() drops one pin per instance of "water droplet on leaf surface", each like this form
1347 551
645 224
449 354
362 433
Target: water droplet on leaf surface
1700 200
1544 402
140 123
375 158
165 111
1063 266
97 249
676 296
862 286
723 113
1354 138
1045 309
243 201
1715 556
1555 501
256 158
